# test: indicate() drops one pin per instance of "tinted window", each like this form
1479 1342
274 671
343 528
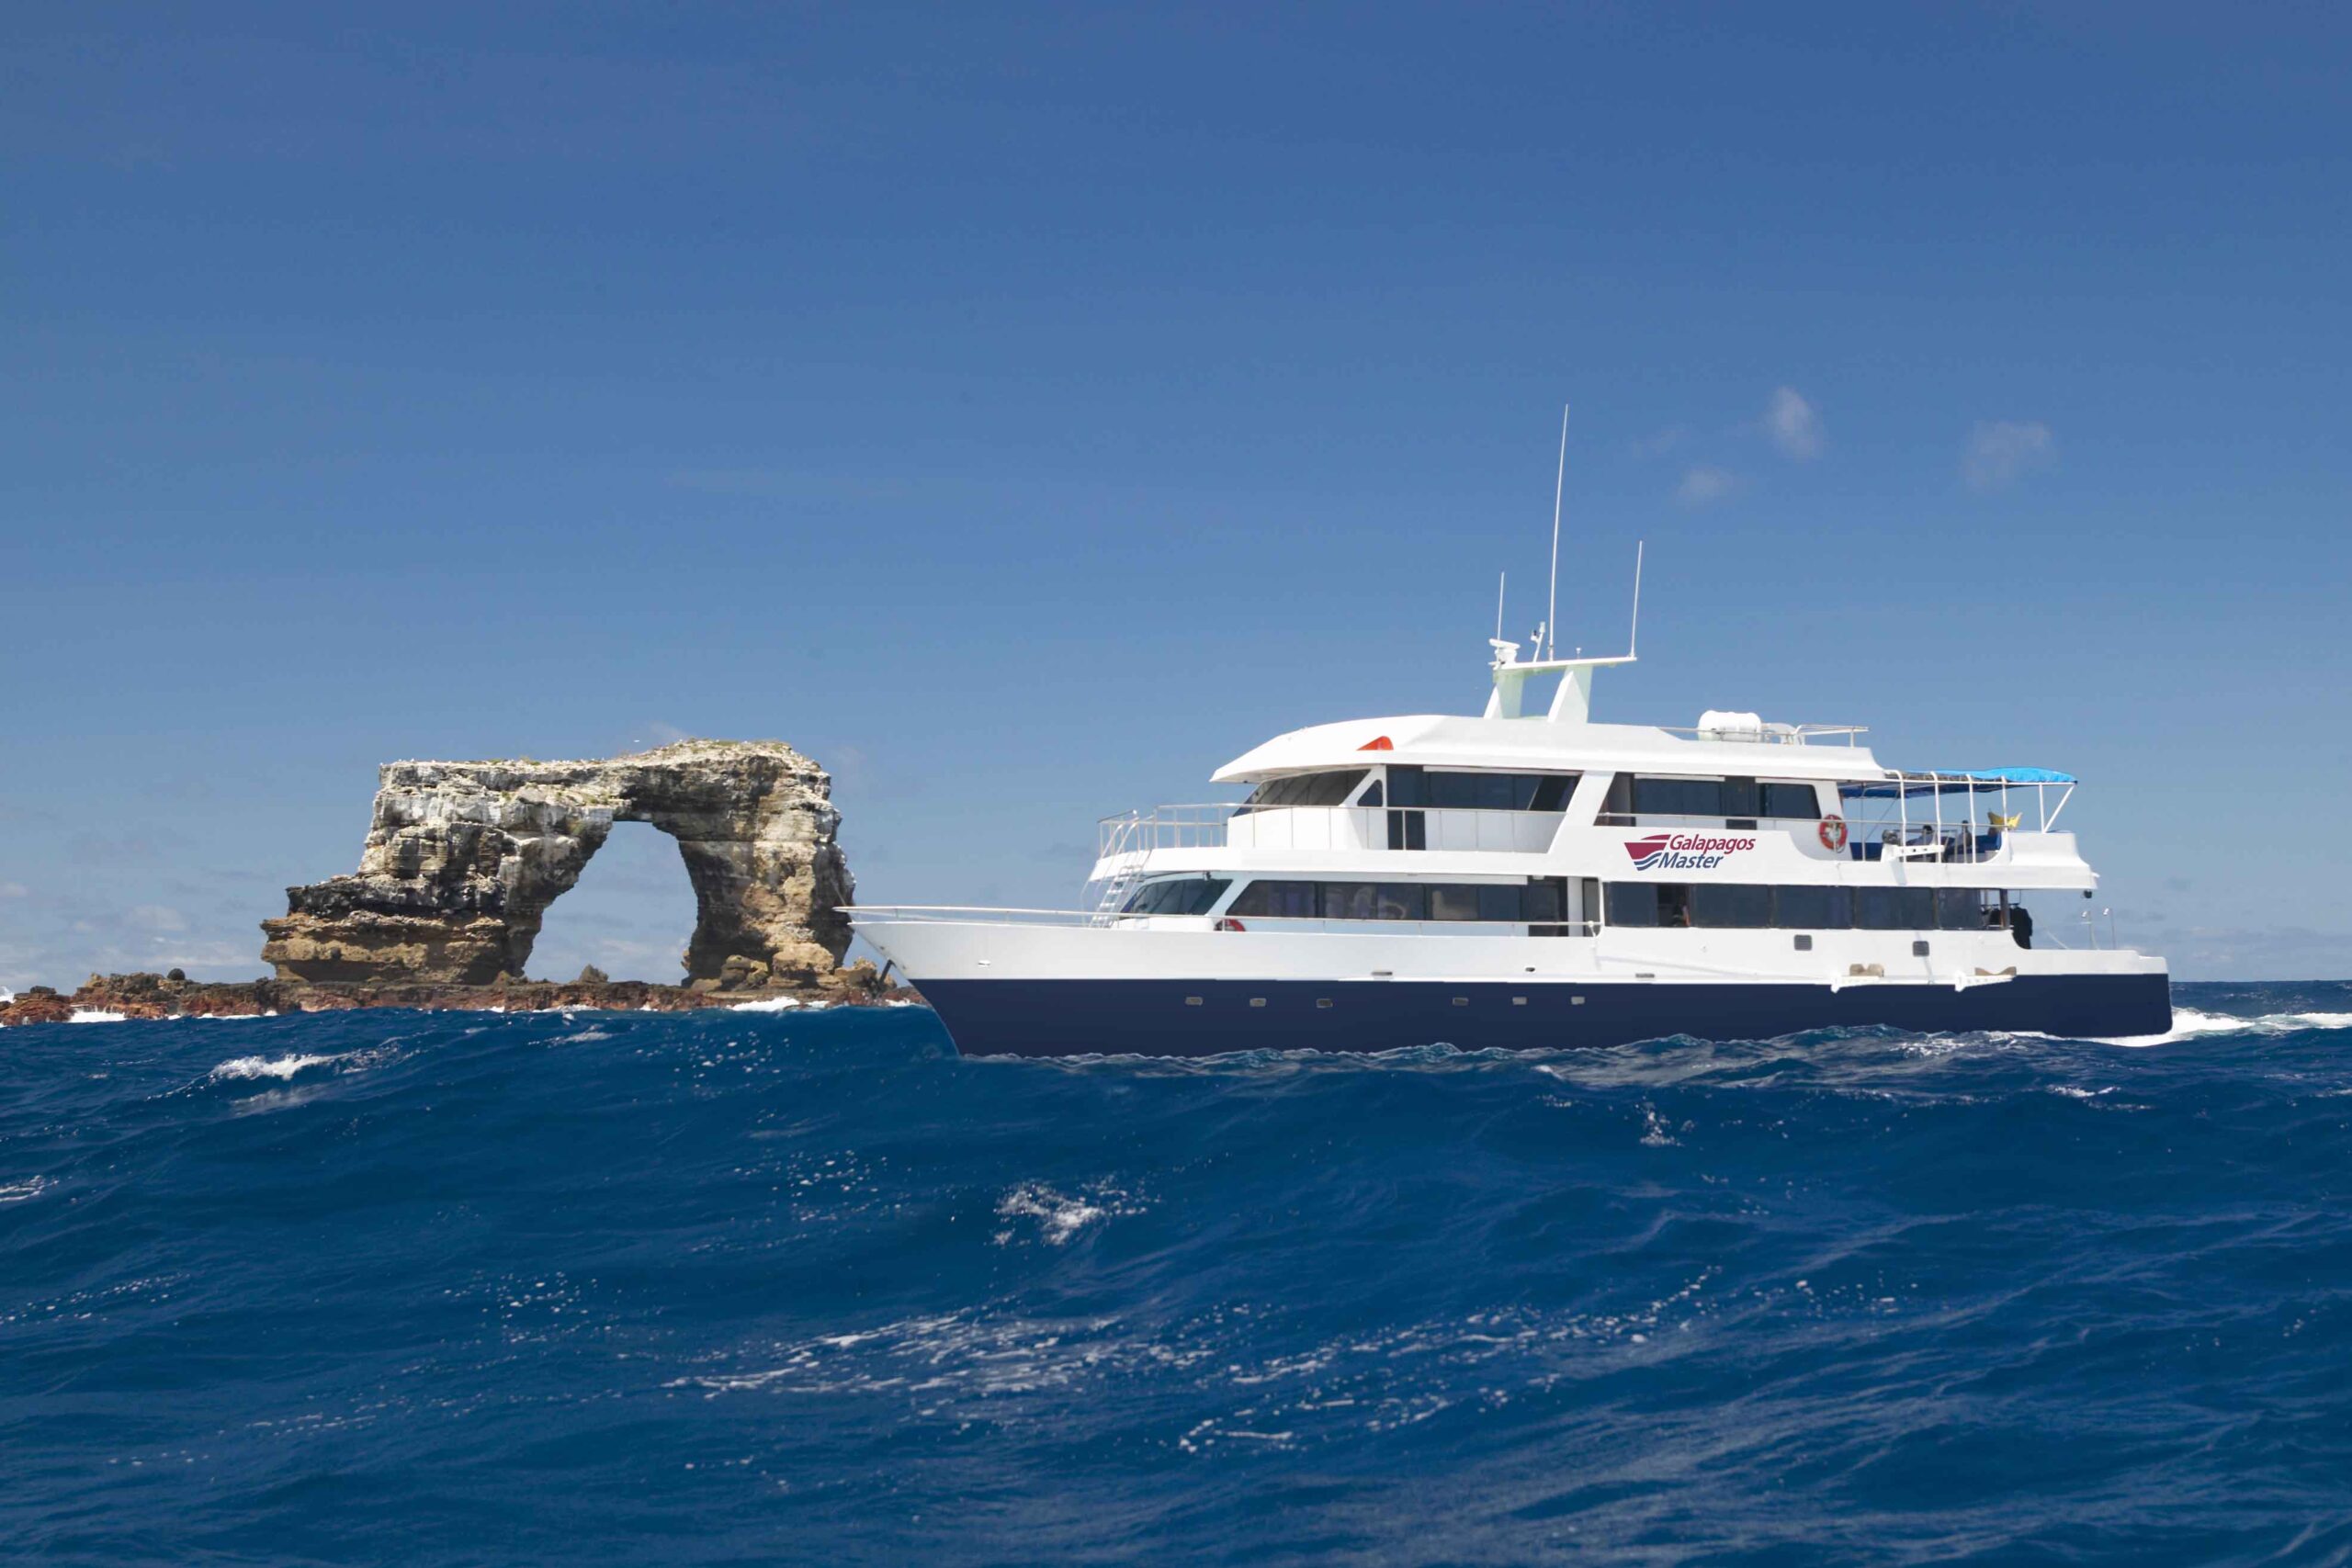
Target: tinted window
1403 901
1447 790
1452 792
1678 798
1460 903
1959 909
1289 900
1307 789
1894 909
1177 896
1350 901
1813 909
1791 800
1741 797
1633 903
1674 903
1731 904
1508 904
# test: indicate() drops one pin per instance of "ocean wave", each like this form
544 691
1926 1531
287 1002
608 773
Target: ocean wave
1848 1296
293 1062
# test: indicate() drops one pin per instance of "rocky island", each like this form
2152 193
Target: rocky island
462 859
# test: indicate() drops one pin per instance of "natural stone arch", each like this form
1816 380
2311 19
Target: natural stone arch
462 859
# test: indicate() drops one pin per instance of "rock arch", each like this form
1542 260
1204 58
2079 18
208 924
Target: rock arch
462 859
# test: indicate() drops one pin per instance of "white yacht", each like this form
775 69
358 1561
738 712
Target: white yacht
1528 879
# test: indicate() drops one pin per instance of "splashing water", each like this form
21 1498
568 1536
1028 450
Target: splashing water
803 1285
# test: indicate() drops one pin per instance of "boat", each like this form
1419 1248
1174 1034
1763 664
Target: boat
1527 878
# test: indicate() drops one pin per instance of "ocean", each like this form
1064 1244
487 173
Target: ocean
805 1287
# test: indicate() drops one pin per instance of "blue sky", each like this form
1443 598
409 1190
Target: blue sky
1024 414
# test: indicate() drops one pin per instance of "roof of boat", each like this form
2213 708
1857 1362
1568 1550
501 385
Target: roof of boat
1455 740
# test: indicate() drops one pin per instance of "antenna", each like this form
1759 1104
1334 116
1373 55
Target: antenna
1500 578
1633 633
1559 485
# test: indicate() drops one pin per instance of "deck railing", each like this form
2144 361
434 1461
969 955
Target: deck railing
1223 827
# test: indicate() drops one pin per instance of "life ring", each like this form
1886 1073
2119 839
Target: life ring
1229 924
1833 834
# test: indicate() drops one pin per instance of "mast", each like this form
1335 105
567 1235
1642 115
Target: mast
1559 487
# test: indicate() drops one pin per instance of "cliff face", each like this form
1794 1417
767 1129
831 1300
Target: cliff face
463 859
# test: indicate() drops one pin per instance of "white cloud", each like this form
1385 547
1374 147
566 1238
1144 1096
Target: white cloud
2005 450
1659 444
1793 424
15 890
1702 485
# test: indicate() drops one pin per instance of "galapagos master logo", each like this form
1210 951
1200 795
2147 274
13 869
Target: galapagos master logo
1683 852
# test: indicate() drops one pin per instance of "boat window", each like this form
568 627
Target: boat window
1734 904
1177 896
1711 798
1649 903
1678 798
1894 909
1371 796
1445 789
1305 789
1633 903
1813 909
1959 909
1542 901
1285 900
1452 902
1551 792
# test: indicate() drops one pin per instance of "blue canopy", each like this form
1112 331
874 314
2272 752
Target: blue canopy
1913 785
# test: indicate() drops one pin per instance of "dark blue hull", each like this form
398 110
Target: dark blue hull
1157 1017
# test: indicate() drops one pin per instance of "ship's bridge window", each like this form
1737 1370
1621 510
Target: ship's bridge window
1450 789
1305 789
1177 896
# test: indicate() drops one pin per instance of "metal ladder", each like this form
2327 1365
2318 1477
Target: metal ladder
1121 836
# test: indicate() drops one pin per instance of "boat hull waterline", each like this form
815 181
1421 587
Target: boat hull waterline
1206 1018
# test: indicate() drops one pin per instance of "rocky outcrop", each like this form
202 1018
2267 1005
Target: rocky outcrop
171 996
462 859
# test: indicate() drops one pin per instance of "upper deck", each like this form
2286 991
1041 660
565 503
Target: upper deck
1510 794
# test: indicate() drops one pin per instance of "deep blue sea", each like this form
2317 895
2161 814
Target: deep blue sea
805 1287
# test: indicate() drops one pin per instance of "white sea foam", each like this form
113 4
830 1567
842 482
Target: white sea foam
777 1004
2189 1023
1061 1217
17 1191
97 1015
279 1067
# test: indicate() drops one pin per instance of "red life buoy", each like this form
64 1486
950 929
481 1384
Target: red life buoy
1229 924
1833 833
